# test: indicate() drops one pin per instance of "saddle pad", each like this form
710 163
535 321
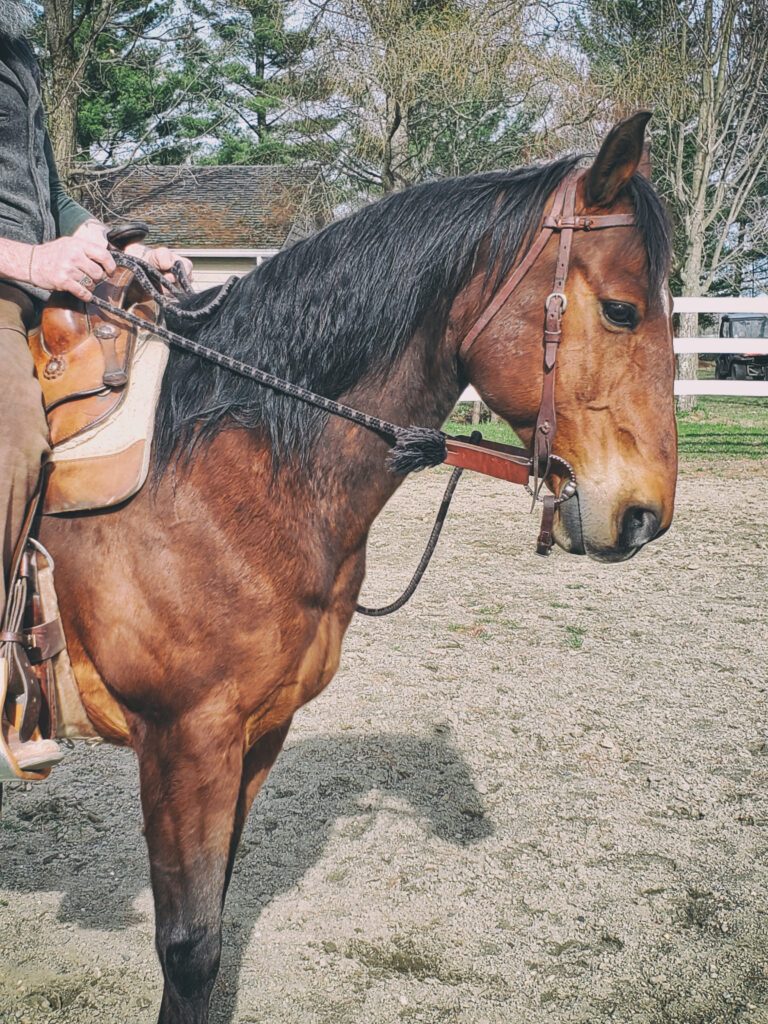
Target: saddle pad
108 463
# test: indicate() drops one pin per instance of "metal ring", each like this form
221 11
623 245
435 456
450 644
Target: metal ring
86 281
43 551
571 486
557 295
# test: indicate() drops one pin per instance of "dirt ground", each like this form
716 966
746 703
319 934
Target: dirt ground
537 794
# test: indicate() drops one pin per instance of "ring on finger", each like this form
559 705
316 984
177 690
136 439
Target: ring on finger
86 281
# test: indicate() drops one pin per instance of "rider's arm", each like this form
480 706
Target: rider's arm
14 259
68 214
67 264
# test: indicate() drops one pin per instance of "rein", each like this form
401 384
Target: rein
414 448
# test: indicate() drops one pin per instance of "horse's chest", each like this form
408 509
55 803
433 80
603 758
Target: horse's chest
310 672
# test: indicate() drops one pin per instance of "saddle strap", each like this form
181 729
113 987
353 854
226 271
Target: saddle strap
21 679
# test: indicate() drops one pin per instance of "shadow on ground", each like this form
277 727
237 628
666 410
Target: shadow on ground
100 863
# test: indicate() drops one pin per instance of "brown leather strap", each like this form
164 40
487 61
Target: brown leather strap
8 636
29 519
502 461
47 639
107 330
518 274
546 537
504 292
591 222
546 421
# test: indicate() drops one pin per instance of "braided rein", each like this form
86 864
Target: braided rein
411 448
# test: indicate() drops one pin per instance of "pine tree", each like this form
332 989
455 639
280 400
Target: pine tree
258 71
109 81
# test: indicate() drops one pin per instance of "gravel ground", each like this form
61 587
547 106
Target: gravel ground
537 794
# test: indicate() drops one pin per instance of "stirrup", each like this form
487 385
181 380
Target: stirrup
31 761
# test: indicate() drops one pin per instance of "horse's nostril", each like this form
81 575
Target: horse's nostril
638 526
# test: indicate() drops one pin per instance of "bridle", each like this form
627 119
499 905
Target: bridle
563 219
419 447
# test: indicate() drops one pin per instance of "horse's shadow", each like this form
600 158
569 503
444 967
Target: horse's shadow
315 783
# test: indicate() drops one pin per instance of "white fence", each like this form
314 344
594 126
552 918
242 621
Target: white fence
694 304
757 346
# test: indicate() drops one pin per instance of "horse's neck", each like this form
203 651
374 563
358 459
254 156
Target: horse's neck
350 462
327 503
349 472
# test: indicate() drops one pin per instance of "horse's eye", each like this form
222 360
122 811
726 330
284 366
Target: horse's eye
622 314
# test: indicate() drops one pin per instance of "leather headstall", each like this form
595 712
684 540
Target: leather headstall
562 219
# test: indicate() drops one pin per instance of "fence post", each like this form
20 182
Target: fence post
687 363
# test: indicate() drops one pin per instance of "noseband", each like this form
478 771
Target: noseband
562 218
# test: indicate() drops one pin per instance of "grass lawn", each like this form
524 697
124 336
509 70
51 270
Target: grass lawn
718 426
725 426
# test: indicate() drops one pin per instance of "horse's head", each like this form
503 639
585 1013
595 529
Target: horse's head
615 364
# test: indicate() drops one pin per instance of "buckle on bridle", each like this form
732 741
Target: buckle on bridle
557 295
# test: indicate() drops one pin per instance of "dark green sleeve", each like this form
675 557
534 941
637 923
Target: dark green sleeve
68 214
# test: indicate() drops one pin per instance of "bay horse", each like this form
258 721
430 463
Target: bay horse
204 612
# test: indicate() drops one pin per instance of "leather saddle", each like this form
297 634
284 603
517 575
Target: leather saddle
82 355
85 360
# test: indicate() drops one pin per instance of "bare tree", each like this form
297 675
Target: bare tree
121 77
702 67
409 82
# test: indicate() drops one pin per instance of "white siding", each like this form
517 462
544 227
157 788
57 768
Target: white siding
212 267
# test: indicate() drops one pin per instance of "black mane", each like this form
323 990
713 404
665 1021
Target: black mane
343 305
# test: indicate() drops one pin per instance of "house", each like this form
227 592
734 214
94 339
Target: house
227 219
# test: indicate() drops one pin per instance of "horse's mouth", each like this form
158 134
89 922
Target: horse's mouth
571 537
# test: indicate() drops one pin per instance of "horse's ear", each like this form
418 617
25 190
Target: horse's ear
645 167
620 155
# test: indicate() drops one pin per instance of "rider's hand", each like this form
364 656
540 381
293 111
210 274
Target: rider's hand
71 264
161 259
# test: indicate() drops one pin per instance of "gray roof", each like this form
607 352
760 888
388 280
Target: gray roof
218 207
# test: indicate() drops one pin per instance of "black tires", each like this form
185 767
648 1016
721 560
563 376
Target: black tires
738 371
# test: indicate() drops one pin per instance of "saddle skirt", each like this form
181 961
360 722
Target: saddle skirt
101 378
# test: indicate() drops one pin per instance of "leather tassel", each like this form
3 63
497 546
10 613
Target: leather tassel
417 448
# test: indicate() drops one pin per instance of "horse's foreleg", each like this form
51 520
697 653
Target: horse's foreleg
191 772
258 762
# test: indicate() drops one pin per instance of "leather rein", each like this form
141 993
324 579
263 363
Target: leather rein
419 447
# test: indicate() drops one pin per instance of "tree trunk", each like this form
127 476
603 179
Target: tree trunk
65 82
688 365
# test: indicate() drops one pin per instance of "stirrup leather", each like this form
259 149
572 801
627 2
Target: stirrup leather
24 751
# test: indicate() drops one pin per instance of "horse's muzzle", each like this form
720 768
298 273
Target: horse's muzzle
637 525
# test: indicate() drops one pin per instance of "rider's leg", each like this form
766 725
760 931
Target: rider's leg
23 429
23 444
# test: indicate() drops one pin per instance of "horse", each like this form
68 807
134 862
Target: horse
203 613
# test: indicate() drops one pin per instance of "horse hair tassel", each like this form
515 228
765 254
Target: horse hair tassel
417 448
